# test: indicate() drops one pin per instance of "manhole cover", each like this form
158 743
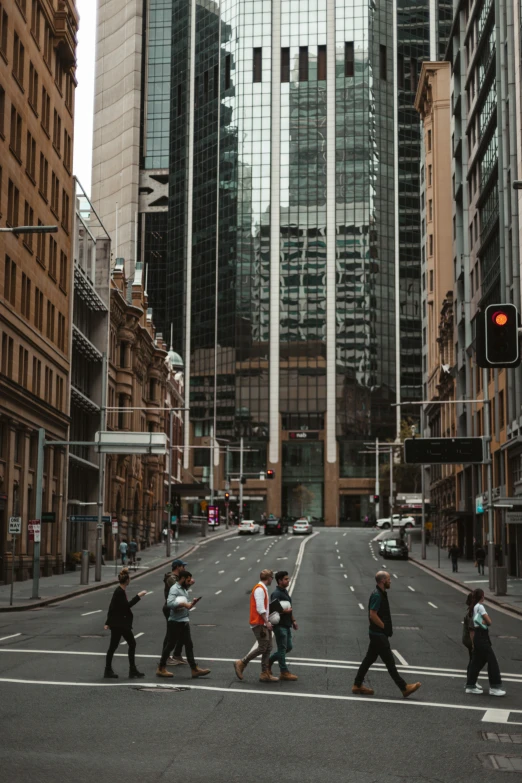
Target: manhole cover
501 763
515 739
161 689
92 636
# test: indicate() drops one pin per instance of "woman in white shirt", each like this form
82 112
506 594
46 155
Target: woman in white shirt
482 649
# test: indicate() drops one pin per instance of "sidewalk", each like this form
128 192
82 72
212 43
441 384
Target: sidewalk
468 576
57 588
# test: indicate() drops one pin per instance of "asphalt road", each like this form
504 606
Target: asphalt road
60 719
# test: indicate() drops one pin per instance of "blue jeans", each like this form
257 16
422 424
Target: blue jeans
283 638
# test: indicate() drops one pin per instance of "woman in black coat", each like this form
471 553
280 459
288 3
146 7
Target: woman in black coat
119 620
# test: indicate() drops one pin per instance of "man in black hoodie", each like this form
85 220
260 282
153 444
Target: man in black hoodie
380 632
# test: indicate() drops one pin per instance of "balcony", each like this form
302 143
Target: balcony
65 35
84 346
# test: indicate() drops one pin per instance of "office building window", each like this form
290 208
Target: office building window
303 63
228 72
321 63
285 64
383 70
349 59
258 64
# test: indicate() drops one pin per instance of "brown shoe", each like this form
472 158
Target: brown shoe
409 689
288 676
239 668
362 690
161 671
267 677
197 672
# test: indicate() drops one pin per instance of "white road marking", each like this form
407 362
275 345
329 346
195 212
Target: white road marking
139 634
259 561
344 534
434 606
341 565
399 657
221 572
499 716
11 636
361 607
237 579
320 662
395 576
477 582
411 588
218 592
242 558
95 611
337 551
217 561
338 557
250 568
352 589
345 576
238 690
299 560
229 554
336 543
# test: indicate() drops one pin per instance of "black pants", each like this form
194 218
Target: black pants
178 633
455 565
379 648
480 565
116 634
483 654
179 645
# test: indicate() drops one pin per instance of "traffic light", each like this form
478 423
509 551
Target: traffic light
376 498
227 497
270 474
497 336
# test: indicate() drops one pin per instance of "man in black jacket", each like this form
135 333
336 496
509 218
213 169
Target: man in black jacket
283 629
380 632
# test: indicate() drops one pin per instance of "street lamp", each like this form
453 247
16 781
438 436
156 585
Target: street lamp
30 230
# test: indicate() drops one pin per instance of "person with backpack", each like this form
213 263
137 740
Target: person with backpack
133 548
179 626
169 580
281 608
482 649
123 552
119 621
468 632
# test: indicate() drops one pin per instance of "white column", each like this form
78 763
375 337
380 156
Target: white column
188 241
275 234
331 446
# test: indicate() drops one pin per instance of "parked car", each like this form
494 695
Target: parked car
248 527
398 521
274 526
395 548
302 527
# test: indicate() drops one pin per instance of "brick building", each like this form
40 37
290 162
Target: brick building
37 86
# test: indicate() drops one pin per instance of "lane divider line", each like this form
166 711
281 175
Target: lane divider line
411 588
435 607
352 589
237 579
361 607
299 560
11 636
345 576
95 611
218 592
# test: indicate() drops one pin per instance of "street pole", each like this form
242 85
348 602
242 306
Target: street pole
377 485
211 477
489 480
423 471
38 510
12 569
391 482
241 481
169 497
101 474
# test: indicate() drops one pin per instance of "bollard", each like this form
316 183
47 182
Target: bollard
501 580
84 580
409 542
98 566
203 528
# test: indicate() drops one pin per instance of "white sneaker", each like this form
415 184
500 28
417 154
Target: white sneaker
477 687
474 690
496 692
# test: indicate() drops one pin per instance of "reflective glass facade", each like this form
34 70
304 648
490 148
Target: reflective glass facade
280 262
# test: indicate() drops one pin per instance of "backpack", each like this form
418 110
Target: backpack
466 627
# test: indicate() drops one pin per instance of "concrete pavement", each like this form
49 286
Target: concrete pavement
62 586
59 715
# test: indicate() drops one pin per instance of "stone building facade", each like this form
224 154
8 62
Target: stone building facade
142 388
37 86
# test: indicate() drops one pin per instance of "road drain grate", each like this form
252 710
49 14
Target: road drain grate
500 763
161 689
514 739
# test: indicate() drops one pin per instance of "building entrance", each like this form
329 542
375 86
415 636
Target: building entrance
302 480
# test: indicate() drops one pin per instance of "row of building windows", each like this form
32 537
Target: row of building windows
53 383
303 63
32 306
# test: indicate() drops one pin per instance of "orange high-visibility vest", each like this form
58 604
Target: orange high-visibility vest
255 617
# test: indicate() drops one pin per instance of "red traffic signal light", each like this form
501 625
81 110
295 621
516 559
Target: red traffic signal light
376 498
270 474
497 336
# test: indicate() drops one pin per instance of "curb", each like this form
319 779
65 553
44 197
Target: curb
490 599
102 585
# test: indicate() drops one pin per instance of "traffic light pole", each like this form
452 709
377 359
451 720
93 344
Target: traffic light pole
489 480
241 481
423 478
377 487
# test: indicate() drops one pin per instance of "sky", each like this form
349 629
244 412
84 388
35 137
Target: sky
84 101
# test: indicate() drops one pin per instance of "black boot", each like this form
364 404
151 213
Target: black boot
134 674
109 674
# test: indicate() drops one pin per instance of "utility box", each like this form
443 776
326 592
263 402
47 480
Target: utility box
501 580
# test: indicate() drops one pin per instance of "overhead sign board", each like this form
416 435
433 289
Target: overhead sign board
15 525
131 442
443 451
514 517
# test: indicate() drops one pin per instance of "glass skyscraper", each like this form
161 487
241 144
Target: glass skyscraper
280 159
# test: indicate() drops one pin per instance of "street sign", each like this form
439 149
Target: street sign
514 517
88 518
49 516
15 525
213 515
115 527
445 451
34 529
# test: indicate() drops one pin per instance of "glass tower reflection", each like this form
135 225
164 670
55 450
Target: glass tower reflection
230 163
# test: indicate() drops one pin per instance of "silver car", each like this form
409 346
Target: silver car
302 527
